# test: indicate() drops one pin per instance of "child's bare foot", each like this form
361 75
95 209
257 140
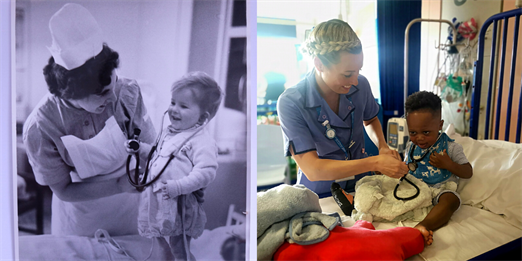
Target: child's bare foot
427 234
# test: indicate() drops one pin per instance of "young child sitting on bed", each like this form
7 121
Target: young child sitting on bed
433 157
171 207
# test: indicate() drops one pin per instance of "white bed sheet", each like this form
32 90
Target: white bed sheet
52 248
470 232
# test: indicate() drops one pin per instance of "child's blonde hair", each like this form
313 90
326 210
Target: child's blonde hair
328 39
206 91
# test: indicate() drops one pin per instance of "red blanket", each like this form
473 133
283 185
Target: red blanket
359 242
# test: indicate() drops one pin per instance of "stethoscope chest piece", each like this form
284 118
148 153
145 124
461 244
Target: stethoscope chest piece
412 166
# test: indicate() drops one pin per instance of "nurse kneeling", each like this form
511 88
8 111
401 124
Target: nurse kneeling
322 117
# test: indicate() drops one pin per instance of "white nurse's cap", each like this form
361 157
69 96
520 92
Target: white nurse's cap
77 37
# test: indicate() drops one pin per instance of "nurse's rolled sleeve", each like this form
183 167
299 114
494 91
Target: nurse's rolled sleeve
371 110
295 129
132 100
47 164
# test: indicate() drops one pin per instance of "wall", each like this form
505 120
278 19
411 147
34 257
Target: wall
360 15
158 42
208 39
151 38
480 10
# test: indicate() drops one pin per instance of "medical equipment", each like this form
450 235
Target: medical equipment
412 166
397 186
330 134
398 135
140 181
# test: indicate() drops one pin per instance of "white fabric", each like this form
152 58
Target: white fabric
51 247
103 154
375 200
77 37
495 187
496 184
117 214
469 233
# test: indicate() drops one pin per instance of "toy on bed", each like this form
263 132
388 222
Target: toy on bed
290 226
358 242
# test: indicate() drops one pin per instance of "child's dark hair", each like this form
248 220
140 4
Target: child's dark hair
206 91
78 83
423 101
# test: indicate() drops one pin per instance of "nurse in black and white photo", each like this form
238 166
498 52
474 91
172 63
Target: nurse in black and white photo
108 68
85 95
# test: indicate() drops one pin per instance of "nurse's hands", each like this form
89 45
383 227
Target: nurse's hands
132 146
390 166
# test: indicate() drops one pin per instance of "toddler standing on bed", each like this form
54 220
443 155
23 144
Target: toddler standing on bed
171 207
433 157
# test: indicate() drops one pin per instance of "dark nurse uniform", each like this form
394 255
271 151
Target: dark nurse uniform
302 110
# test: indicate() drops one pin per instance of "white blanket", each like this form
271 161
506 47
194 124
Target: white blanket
375 200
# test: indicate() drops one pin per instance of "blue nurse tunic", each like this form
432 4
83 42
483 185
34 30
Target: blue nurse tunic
302 110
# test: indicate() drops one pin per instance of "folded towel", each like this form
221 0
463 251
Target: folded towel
283 202
290 213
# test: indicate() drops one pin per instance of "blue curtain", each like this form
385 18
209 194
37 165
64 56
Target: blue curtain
392 19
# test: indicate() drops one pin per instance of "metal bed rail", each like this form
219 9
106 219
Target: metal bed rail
479 69
406 46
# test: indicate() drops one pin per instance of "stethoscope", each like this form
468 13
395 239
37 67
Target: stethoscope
412 166
141 183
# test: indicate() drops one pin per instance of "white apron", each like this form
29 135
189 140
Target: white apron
100 158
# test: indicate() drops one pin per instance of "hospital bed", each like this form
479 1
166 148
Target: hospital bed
489 223
221 243
222 239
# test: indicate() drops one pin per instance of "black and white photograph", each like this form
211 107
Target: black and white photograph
132 129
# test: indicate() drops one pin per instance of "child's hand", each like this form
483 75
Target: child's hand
393 153
200 193
130 146
164 190
440 160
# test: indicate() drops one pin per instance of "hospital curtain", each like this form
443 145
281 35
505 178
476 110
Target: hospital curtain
392 19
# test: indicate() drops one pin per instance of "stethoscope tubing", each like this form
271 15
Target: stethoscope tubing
140 185
397 187
404 177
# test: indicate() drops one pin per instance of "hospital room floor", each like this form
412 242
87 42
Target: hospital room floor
28 219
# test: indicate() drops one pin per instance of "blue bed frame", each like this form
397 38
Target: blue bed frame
511 250
478 71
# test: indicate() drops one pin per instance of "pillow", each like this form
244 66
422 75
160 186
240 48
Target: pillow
496 184
359 242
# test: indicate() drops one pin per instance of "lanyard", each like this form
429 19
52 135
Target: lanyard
330 134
